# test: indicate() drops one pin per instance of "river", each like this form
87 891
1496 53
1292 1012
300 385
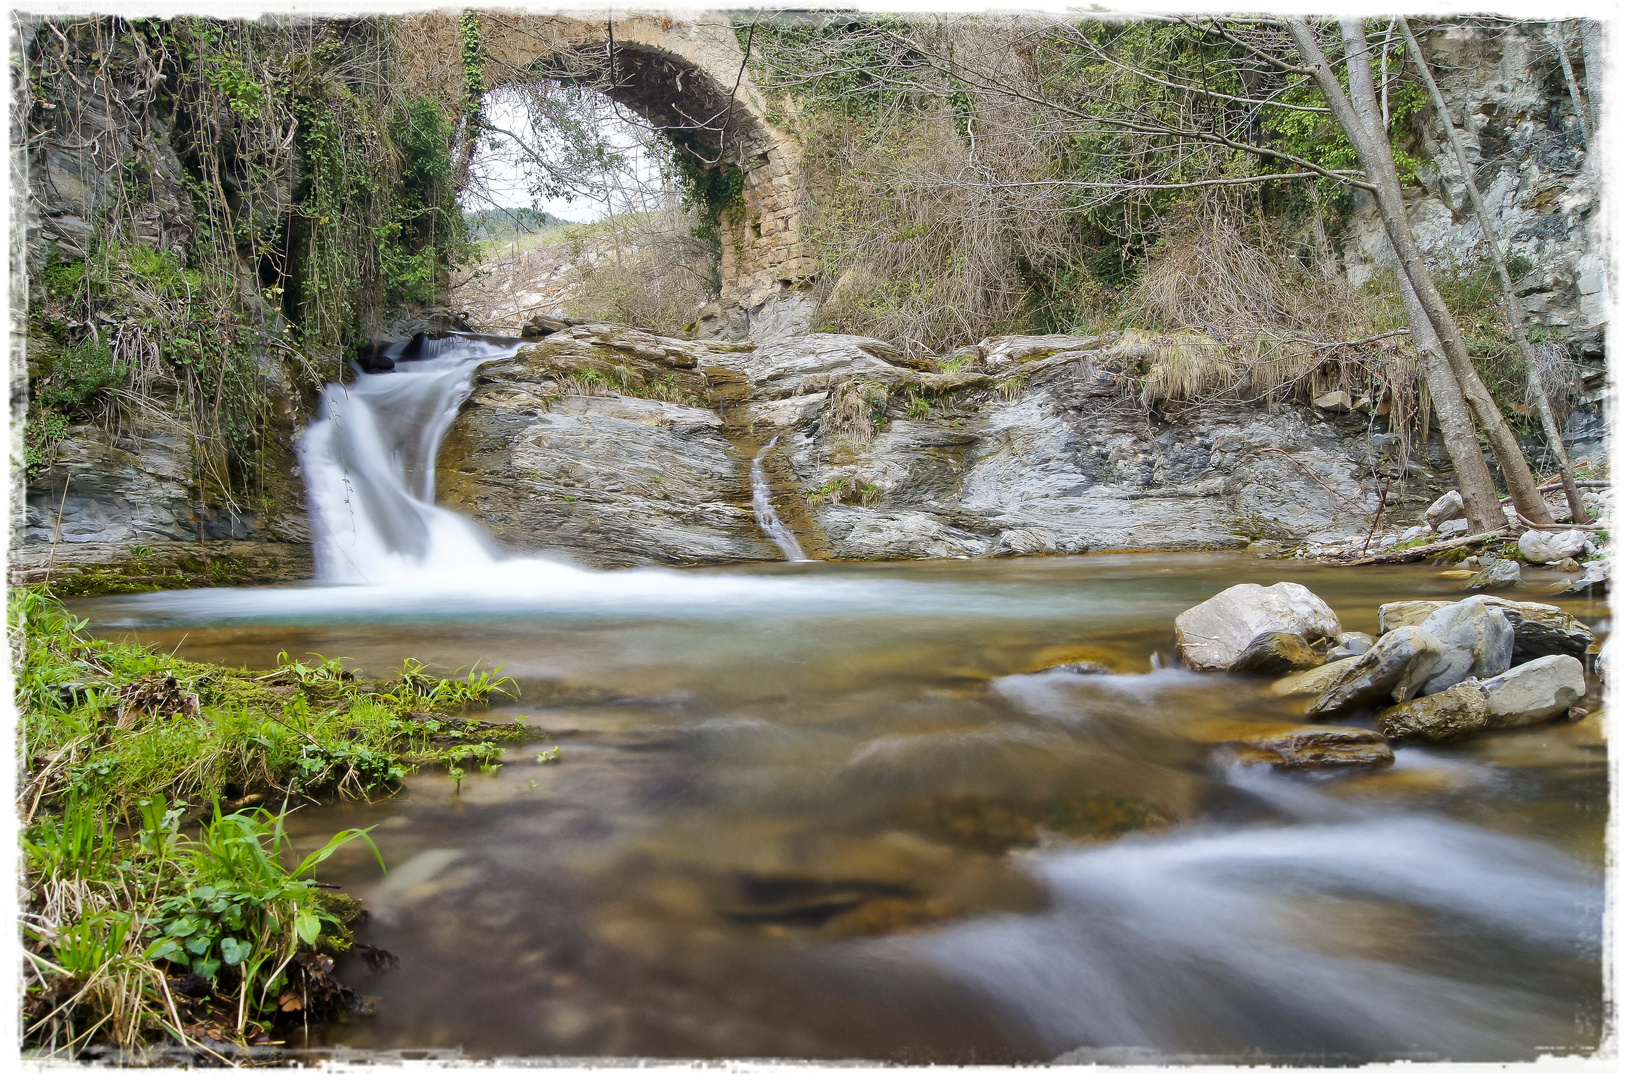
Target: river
842 811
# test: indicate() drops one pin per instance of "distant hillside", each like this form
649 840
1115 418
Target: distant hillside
509 223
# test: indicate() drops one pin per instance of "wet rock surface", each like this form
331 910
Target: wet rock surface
556 450
1242 621
1537 629
1321 748
1456 713
1394 669
1534 693
1477 640
1029 445
1275 653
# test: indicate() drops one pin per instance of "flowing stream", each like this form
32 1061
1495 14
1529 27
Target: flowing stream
847 811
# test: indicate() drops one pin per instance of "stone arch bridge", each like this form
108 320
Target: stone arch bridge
686 75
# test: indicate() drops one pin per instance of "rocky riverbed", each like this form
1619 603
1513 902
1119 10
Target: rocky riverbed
1440 671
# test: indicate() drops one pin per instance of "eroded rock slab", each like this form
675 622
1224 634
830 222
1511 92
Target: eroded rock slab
607 478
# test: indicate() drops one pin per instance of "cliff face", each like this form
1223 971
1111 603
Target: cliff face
1039 446
1531 161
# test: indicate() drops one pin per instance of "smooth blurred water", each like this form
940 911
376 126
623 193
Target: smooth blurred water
781 826
820 810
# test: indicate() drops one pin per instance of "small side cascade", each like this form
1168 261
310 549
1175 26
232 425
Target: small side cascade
761 500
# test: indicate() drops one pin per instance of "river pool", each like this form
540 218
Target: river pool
838 811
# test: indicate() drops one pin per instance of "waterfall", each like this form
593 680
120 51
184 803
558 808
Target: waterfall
369 463
761 500
369 467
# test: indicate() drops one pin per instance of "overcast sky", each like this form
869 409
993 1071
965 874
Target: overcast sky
508 178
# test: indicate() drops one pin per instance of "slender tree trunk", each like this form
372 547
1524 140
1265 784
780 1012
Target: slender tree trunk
1591 39
1555 32
1515 312
1473 478
1376 159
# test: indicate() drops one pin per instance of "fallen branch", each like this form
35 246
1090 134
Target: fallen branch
1416 554
1560 527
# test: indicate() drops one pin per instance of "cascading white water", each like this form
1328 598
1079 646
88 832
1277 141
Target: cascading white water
761 500
369 468
369 464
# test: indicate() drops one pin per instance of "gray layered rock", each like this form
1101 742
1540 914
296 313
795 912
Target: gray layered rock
1456 713
1477 640
1545 548
1537 629
1534 693
610 479
1315 681
1214 634
1032 447
1393 670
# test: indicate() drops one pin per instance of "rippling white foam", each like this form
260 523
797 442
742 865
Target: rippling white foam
1212 941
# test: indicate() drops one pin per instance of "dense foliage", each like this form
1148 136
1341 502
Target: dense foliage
123 746
254 192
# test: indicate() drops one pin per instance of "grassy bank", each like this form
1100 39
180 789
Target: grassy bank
162 901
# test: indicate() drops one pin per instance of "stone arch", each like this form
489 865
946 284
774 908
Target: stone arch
686 76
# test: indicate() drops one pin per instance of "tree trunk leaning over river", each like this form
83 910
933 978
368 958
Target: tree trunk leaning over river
1515 313
1473 478
1376 159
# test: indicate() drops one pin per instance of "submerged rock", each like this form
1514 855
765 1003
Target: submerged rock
1496 574
1275 652
1543 548
1393 670
1477 640
1215 634
1534 693
1456 713
1537 629
1321 748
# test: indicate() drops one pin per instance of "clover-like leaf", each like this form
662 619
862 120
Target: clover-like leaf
234 952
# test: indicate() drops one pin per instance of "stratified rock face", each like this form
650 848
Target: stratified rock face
1038 445
1031 445
1217 634
1539 179
607 478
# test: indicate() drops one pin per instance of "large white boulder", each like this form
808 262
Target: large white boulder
1446 507
1536 692
1477 639
1213 634
1545 548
